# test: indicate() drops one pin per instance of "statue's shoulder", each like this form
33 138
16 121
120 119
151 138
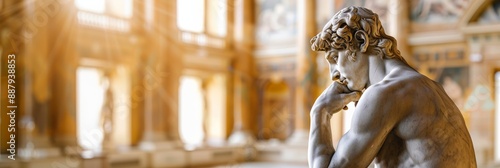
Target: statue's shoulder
390 96
398 85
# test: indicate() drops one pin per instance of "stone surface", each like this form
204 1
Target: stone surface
131 159
281 153
168 158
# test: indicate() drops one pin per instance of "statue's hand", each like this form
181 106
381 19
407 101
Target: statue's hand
334 98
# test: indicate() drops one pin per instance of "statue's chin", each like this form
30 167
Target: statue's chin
354 88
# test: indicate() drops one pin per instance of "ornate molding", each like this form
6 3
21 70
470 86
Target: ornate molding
441 57
429 38
481 29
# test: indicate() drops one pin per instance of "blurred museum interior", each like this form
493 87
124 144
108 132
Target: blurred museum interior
222 83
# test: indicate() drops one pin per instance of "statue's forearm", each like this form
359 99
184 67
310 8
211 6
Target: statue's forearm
320 139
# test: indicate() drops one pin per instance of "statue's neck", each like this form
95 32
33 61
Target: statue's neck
379 68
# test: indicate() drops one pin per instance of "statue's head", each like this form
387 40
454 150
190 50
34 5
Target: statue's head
354 31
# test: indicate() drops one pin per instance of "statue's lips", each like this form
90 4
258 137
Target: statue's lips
343 81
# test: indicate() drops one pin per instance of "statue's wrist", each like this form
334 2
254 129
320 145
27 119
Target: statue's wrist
320 112
318 108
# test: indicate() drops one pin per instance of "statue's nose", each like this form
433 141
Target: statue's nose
335 75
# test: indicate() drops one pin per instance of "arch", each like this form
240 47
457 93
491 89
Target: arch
276 116
474 11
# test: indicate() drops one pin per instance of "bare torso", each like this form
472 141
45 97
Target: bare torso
402 118
431 131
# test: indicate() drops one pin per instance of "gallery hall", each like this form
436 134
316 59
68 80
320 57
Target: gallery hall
221 83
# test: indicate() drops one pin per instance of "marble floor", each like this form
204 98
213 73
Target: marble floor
264 165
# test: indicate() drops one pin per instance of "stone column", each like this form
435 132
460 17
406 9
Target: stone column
12 42
305 72
173 65
399 25
243 79
63 61
38 57
34 119
481 103
162 70
153 135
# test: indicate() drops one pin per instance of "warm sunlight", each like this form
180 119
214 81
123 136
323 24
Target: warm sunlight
97 6
191 110
90 98
249 83
120 8
116 8
191 15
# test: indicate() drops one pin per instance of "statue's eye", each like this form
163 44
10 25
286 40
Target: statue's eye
332 57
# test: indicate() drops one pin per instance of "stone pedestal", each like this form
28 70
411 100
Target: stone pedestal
127 159
241 137
244 140
32 152
204 157
93 162
48 163
159 145
168 158
278 152
299 138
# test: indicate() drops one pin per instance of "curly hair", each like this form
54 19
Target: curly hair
348 29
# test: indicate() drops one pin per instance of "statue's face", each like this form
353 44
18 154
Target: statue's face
354 73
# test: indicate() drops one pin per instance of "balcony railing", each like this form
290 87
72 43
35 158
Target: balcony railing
202 40
103 21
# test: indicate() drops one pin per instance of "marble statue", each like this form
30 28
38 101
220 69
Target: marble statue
107 112
401 118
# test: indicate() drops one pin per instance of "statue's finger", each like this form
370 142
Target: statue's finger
350 97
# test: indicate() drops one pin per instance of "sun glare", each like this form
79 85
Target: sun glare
97 6
191 110
191 15
90 99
